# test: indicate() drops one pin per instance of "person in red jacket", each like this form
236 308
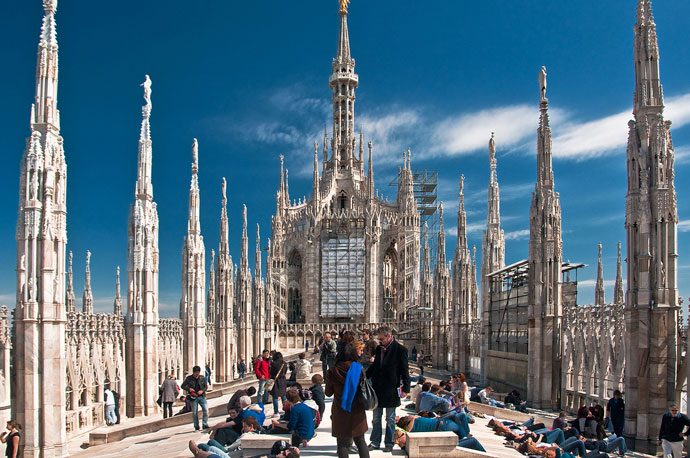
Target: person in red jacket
261 370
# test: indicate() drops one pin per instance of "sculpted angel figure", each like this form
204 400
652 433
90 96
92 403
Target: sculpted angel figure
147 90
542 83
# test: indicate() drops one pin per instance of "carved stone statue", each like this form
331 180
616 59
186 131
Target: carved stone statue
195 153
343 6
147 90
542 83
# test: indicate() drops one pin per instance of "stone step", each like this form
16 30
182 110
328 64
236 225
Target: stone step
438 444
138 427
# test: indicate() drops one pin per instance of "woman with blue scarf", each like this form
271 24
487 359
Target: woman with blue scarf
348 417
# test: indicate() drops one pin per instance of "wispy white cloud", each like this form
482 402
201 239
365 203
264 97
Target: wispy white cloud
684 226
592 282
294 99
682 155
609 134
7 298
296 119
470 132
678 110
591 139
391 132
517 235
472 228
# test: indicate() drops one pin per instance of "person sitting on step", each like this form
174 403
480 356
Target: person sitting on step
249 427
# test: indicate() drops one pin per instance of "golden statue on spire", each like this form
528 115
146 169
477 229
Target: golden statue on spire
343 6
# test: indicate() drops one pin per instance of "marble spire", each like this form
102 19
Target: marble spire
257 254
225 299
343 82
70 299
461 246
39 348
315 179
599 290
618 293
651 224
211 310
545 258
244 296
260 332
87 298
141 320
370 174
193 299
441 243
117 303
224 246
441 299
44 110
648 90
493 244
144 186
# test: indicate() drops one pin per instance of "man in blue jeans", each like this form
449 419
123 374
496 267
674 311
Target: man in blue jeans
456 422
196 388
390 378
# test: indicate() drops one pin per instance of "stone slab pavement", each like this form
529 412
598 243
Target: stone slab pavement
172 442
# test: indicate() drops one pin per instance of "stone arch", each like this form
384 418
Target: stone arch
282 340
295 306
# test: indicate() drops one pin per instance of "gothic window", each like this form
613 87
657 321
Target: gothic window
390 273
294 302
342 201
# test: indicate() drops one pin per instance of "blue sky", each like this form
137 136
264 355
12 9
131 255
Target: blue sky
250 81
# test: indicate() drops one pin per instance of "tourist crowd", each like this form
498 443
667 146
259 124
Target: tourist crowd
360 373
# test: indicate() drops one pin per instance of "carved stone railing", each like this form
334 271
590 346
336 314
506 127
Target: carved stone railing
95 346
294 336
593 353
170 348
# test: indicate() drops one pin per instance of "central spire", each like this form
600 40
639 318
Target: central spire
343 82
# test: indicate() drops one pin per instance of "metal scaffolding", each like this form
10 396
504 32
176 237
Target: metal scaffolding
425 185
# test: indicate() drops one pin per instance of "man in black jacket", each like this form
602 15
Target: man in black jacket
388 372
671 433
196 388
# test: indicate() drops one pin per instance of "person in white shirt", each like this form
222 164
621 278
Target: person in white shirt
485 396
110 418
303 367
